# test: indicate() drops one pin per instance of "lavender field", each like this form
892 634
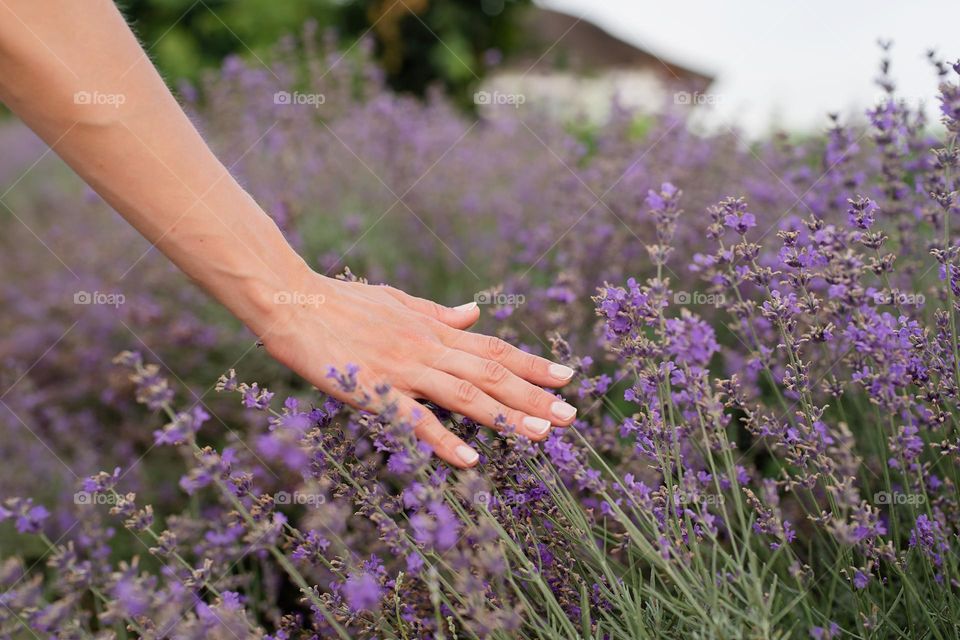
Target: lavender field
767 354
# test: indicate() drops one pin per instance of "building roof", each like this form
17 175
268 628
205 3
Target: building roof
556 40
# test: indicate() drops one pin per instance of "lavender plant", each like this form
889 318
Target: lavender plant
768 369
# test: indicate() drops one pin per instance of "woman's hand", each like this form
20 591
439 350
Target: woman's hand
143 155
421 350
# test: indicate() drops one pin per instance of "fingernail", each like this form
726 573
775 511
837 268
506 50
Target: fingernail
468 455
470 306
537 425
563 410
560 372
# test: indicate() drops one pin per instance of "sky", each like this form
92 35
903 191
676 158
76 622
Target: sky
787 63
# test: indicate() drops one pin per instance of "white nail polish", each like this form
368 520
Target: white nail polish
560 372
563 410
537 425
468 455
470 306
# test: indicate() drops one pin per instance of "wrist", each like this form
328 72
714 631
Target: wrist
260 278
241 258
274 298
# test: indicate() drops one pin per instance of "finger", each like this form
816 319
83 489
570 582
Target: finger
465 398
363 394
526 365
427 428
460 317
502 384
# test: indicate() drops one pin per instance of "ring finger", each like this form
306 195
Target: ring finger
465 398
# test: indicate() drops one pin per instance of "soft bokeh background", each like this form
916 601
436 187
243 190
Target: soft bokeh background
397 178
783 63
513 153
775 64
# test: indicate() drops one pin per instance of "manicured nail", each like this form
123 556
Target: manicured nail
560 372
563 410
537 425
468 455
470 306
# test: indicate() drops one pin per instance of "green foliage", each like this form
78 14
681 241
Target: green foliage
185 36
419 42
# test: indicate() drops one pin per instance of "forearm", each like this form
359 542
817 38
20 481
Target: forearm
132 143
75 73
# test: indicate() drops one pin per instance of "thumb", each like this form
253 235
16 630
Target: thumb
460 317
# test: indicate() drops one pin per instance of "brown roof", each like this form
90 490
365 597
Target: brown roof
553 40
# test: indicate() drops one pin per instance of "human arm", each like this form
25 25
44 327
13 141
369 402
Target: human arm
130 140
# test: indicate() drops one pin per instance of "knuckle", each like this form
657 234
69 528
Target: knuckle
466 392
419 420
415 384
496 348
535 396
447 440
421 429
494 372
407 334
512 420
531 366
456 338
417 339
439 330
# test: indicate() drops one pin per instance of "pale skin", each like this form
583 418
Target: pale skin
131 142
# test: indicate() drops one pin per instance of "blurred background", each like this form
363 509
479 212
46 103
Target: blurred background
759 65
457 149
505 151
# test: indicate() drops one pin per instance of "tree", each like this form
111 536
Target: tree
419 42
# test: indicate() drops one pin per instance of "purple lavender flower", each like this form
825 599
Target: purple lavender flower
27 517
805 373
861 213
860 579
362 592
